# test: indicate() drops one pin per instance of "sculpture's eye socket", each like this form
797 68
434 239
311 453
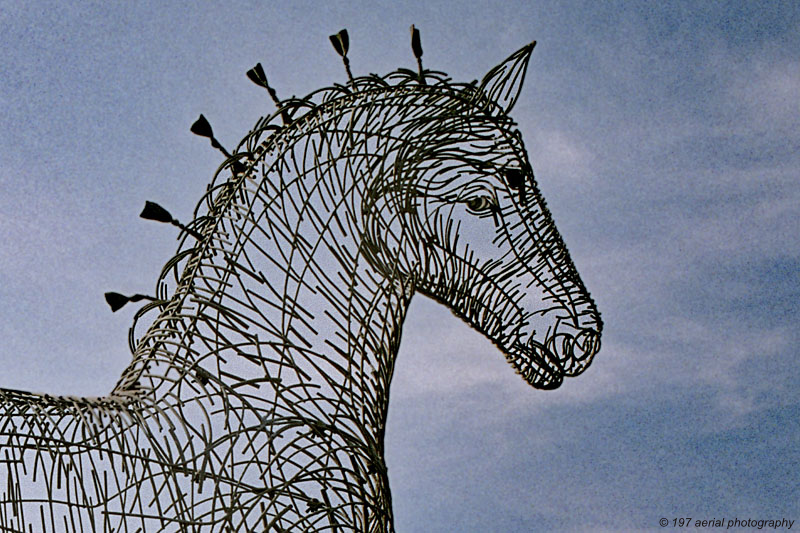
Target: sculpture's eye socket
480 205
515 178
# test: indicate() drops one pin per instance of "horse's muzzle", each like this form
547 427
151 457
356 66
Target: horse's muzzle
573 353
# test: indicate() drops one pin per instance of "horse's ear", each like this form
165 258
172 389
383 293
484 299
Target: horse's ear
502 84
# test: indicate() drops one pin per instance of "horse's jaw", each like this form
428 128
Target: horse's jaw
566 348
544 364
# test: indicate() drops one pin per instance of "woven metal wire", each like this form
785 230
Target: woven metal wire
257 396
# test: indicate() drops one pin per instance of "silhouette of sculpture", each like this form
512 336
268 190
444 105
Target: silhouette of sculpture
257 396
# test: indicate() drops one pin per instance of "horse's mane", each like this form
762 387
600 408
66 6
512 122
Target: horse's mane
292 120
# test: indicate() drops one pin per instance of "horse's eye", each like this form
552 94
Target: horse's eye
479 205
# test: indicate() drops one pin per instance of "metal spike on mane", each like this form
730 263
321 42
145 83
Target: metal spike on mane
153 211
416 47
202 128
116 300
257 76
341 43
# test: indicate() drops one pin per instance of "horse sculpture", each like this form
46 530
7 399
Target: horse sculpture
256 399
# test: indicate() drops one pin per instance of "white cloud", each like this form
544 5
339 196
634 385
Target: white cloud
768 92
561 156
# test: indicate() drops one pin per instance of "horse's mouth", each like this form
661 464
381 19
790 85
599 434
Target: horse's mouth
544 364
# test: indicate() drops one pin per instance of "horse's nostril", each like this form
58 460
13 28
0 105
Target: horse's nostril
587 343
574 352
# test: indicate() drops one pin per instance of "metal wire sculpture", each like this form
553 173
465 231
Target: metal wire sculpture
257 398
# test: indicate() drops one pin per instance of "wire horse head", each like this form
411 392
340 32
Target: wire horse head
257 396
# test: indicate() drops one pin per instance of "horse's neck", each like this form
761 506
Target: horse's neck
287 331
294 288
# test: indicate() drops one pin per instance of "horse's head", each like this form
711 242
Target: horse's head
459 215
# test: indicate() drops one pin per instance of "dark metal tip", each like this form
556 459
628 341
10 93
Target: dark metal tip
416 45
153 211
202 128
341 42
116 300
257 76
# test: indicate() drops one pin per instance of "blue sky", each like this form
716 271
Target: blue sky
664 137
